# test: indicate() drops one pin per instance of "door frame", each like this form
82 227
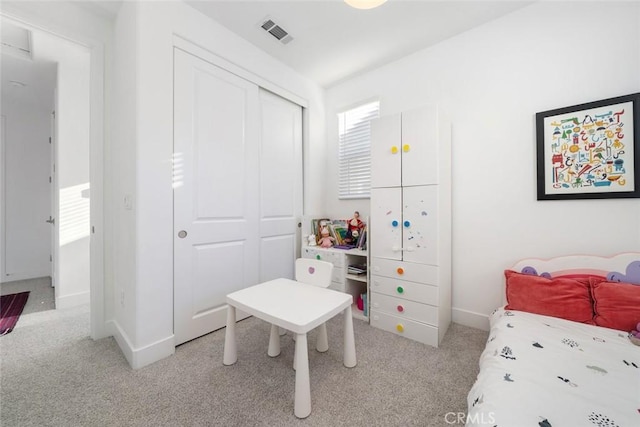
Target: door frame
53 142
187 46
96 50
3 214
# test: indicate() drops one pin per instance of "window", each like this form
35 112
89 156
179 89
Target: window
354 156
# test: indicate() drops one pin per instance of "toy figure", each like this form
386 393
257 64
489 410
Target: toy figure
311 240
354 228
325 241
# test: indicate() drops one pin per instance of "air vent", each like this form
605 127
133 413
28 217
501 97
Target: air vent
276 31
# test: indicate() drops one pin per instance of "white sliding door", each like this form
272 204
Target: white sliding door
216 192
237 190
280 185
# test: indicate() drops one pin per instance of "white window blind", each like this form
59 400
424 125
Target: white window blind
354 156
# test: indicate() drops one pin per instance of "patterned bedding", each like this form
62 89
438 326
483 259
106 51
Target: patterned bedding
544 371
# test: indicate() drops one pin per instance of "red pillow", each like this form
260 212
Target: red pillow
617 305
566 298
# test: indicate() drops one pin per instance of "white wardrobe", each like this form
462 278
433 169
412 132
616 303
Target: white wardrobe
410 264
237 190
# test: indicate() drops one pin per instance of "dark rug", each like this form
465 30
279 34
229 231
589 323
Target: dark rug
11 307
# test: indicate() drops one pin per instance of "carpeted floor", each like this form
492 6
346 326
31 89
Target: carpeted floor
41 294
53 374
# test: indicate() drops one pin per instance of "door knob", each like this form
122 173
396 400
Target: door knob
51 220
182 234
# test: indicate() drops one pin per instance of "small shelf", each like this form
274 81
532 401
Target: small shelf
360 278
353 284
358 314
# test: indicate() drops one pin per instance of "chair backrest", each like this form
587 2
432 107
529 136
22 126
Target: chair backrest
314 272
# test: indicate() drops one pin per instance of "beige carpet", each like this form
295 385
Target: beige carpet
53 374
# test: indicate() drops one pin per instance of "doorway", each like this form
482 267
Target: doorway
75 175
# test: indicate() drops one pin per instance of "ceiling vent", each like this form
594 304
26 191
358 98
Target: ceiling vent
276 31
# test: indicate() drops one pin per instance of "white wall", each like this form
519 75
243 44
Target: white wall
145 68
122 167
26 169
492 80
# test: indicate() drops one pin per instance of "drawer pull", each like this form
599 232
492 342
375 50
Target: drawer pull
407 224
406 148
400 308
399 327
394 149
400 270
400 289
394 223
318 256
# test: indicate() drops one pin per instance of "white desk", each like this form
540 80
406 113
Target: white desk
299 308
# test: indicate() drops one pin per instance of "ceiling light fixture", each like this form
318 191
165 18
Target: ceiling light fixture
364 4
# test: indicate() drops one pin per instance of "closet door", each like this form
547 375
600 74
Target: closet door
386 152
216 192
386 223
420 224
420 147
280 185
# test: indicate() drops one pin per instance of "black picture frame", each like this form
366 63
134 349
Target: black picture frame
589 151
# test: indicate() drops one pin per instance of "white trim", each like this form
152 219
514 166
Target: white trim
96 177
3 214
25 276
193 49
141 357
470 318
74 300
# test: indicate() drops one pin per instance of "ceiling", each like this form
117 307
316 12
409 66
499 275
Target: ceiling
332 41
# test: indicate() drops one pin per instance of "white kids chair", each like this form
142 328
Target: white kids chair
312 272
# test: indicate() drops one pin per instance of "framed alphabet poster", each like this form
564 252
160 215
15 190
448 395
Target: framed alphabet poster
589 151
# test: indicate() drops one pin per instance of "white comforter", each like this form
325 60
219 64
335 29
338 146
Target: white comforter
543 371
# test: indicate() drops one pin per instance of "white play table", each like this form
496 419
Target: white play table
299 308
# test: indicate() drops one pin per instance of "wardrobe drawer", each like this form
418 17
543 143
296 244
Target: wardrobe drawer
405 309
421 273
418 292
334 258
411 329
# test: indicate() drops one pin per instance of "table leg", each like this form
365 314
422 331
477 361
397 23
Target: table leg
349 340
302 403
322 343
274 342
230 353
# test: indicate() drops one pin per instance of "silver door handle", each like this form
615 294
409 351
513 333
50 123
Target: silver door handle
51 220
182 234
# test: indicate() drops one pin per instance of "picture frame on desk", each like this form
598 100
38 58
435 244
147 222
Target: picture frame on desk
317 225
589 151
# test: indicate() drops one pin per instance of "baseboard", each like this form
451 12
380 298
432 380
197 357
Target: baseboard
24 276
73 300
470 318
141 357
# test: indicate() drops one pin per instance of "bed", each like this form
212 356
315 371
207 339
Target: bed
559 352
